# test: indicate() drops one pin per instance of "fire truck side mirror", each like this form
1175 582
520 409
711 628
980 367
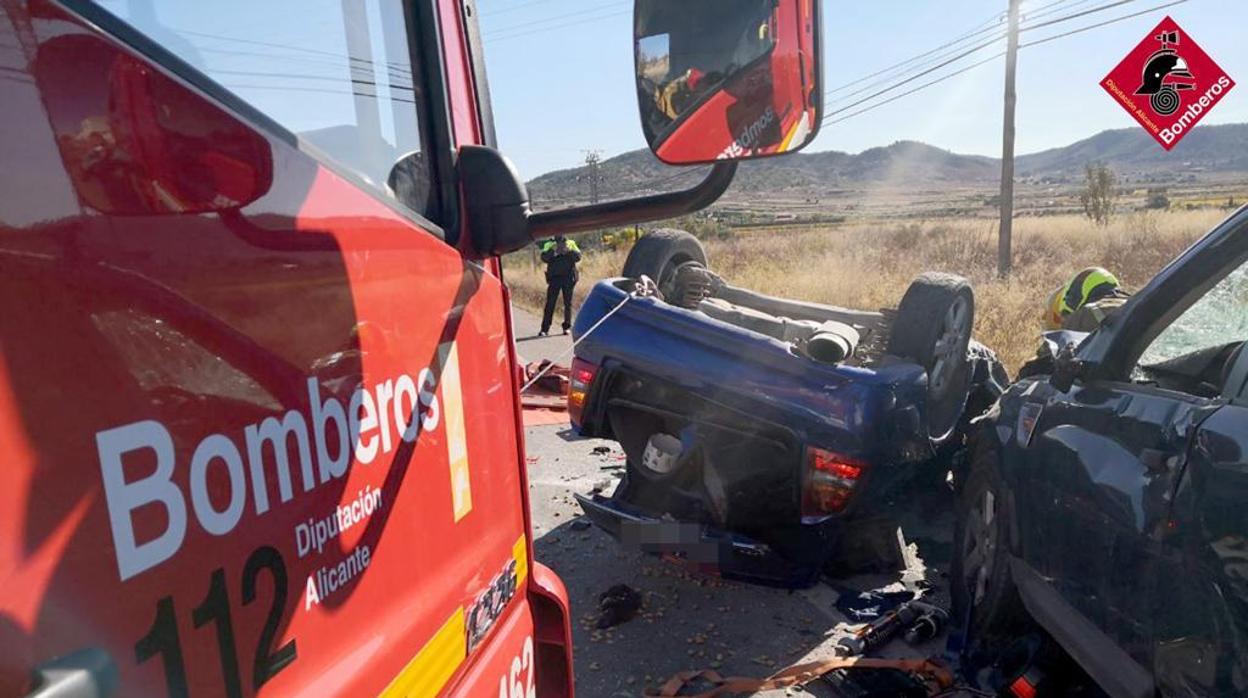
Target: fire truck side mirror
727 79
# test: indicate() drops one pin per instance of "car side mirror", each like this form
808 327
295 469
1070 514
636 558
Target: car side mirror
1067 368
727 79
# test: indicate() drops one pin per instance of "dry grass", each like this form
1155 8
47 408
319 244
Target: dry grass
869 266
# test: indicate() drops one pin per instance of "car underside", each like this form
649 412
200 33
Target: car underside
762 432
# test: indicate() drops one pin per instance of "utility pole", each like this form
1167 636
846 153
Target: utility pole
592 158
1007 148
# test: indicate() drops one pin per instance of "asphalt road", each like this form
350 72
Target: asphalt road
687 621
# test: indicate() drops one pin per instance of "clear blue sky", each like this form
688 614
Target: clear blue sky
561 73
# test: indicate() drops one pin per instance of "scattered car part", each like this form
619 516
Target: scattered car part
617 605
875 683
890 625
935 677
661 454
927 626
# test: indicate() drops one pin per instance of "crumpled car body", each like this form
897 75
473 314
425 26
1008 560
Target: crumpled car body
747 425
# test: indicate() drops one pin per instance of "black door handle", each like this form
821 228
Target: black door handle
87 673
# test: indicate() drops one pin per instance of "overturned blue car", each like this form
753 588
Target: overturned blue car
759 431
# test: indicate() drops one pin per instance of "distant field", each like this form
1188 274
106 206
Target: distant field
869 265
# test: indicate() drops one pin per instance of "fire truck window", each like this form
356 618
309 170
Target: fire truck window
337 74
685 50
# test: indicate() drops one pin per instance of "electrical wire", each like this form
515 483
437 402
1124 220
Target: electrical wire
975 31
827 117
588 10
894 98
912 78
928 67
1076 15
1100 24
513 8
540 30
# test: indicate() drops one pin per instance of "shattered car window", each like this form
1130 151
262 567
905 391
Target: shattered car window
1220 317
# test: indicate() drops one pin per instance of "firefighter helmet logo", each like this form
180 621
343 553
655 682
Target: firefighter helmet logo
1167 83
1165 75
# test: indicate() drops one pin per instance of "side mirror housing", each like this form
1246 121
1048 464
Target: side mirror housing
495 199
500 221
727 79
1067 368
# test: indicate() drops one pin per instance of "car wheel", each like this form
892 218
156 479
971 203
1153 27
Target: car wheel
980 580
659 253
933 329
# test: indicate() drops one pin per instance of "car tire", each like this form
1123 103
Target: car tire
659 253
933 329
979 576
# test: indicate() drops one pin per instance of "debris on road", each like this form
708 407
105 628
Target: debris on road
863 606
617 605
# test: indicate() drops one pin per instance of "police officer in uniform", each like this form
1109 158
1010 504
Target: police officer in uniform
561 256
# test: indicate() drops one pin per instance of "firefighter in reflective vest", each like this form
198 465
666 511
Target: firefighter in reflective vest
561 256
1085 301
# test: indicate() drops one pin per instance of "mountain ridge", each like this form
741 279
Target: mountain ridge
1131 152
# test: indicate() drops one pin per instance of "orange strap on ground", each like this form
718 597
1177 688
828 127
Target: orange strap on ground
800 674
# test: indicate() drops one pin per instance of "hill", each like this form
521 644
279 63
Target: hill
909 165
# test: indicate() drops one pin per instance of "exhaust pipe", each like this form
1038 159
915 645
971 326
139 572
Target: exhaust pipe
833 342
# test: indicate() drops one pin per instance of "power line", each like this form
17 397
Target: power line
1077 15
298 49
588 10
964 37
949 61
933 63
992 40
1100 24
513 8
1049 10
914 77
828 120
540 30
907 93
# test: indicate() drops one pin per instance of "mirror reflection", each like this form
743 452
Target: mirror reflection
726 79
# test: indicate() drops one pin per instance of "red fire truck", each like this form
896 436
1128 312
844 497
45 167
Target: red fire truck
259 398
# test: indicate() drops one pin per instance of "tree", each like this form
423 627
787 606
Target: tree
1098 193
1157 199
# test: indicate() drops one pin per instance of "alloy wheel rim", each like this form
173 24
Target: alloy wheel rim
979 547
954 331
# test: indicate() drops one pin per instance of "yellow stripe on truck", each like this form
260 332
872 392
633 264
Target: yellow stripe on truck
426 675
520 551
435 664
456 433
788 139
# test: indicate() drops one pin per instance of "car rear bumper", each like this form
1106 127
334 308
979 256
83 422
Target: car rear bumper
704 548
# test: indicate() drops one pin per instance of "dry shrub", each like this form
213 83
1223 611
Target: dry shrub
869 265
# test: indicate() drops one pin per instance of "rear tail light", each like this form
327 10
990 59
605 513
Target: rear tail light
828 482
580 380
